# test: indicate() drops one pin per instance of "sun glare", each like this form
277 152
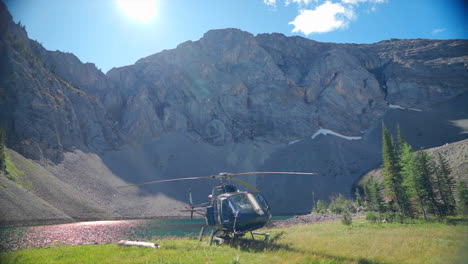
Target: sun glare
142 11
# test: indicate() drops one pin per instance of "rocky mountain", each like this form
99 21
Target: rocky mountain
231 86
231 101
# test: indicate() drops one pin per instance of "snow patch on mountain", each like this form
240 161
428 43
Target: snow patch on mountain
326 132
294 141
402 108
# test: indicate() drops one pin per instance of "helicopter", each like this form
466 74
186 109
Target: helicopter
230 212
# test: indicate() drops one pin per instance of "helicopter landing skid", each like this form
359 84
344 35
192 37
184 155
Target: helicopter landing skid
212 236
266 235
221 240
202 231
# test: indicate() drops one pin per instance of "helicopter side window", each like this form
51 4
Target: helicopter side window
263 202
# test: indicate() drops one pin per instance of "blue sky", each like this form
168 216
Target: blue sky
113 33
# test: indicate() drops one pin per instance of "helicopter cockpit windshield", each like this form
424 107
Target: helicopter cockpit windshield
246 202
241 202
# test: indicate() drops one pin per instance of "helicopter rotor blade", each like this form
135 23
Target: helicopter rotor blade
167 180
272 172
245 184
220 176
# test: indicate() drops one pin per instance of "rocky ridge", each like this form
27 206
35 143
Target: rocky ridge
43 113
231 86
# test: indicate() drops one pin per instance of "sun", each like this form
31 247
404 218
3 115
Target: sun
142 11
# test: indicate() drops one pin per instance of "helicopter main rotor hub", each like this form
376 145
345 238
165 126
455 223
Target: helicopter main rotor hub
223 176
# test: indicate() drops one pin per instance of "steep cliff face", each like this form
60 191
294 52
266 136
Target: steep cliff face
43 112
231 86
230 101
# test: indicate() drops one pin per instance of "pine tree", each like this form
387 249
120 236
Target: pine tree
412 180
406 164
357 193
462 197
445 184
401 140
2 150
440 193
424 168
393 179
373 196
377 196
367 200
406 159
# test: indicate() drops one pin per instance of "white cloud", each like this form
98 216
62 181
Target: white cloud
324 18
270 2
304 2
355 2
321 16
438 30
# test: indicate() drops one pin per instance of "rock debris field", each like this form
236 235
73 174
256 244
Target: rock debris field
309 219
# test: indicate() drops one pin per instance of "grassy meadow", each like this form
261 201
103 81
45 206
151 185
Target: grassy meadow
329 242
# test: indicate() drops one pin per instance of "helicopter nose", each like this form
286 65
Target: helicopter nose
251 220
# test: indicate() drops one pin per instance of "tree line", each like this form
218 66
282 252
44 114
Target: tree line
415 184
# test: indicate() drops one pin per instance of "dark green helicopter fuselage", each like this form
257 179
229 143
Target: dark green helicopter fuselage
237 212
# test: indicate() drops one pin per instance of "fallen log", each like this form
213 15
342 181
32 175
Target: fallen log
138 244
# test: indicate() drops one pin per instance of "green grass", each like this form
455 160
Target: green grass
316 243
12 172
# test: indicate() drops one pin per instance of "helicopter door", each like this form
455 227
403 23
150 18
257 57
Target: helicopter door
224 211
210 216
218 212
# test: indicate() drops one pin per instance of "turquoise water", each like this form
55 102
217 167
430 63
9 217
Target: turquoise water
99 232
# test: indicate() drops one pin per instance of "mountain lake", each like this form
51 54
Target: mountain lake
99 232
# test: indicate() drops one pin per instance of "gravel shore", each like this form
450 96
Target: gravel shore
309 219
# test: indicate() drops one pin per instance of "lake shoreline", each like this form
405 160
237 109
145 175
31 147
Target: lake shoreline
44 222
